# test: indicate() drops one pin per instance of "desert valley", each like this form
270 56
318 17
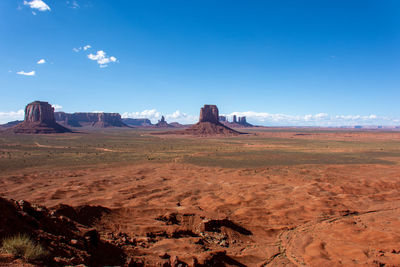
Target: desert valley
199 133
201 195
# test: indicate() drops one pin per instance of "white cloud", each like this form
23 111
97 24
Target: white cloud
11 116
154 116
57 107
320 119
77 49
86 47
42 61
102 59
31 73
37 4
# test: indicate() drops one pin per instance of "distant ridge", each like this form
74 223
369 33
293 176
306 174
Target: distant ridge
90 119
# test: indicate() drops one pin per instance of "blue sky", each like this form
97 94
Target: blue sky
311 62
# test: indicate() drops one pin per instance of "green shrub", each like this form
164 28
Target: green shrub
22 246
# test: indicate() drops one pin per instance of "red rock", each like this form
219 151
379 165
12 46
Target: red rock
209 113
39 118
208 124
90 119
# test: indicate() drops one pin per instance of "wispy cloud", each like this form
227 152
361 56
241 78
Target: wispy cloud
84 48
31 73
37 4
42 61
11 116
101 58
73 4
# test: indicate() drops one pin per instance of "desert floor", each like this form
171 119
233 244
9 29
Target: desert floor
293 197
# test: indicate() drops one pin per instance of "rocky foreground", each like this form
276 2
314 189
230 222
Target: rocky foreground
171 214
68 235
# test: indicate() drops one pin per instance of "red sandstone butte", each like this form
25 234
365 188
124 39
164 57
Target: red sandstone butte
39 118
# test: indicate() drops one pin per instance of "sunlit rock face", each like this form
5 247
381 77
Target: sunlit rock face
39 119
39 111
209 113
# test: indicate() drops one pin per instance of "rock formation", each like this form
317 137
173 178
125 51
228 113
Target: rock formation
10 124
136 122
209 124
242 121
222 119
237 122
90 119
39 118
163 123
209 113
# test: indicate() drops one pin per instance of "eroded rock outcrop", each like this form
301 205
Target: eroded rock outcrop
162 123
90 119
64 232
209 113
237 122
39 118
209 124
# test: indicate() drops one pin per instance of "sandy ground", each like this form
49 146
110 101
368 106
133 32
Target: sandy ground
299 215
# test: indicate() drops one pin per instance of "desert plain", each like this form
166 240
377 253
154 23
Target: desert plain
273 197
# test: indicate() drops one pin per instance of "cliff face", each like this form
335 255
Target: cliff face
39 112
99 120
209 113
39 118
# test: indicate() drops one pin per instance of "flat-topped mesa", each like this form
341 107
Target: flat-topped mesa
39 118
90 119
209 113
39 111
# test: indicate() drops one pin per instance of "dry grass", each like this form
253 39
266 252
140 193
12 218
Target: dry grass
22 246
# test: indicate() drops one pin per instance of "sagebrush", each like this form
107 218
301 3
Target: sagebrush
22 246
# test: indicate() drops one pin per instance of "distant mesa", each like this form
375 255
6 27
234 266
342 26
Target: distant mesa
10 124
137 122
237 122
90 119
39 118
